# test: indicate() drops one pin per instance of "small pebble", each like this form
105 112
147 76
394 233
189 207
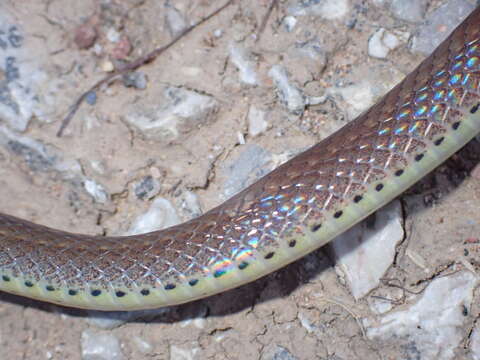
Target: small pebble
135 79
85 36
107 66
256 122
91 98
122 49
381 42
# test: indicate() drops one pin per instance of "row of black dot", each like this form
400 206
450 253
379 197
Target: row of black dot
243 265
379 187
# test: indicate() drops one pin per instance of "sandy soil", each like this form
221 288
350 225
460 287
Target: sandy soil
301 312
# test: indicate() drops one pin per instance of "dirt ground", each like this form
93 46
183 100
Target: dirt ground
303 311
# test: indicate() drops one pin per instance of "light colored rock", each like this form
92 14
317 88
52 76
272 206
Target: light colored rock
256 121
25 90
409 10
100 346
327 9
475 342
252 163
108 320
289 94
178 353
439 23
96 190
246 67
289 22
38 156
358 96
364 253
190 205
146 188
435 325
181 111
160 215
175 21
381 43
142 345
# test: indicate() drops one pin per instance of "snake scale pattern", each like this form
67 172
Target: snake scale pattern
297 208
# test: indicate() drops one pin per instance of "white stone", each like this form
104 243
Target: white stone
435 323
100 346
256 121
327 9
289 93
96 190
358 96
381 42
246 68
25 90
364 254
290 22
180 111
160 215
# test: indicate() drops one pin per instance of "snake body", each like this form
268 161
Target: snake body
298 207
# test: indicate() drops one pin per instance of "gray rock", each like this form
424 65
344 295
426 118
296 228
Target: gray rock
365 252
289 94
136 79
439 24
174 19
433 325
24 89
246 67
327 9
108 320
409 10
251 164
180 112
146 188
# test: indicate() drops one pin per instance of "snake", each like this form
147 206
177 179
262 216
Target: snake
298 207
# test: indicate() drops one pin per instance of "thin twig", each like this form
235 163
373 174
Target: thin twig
135 65
273 4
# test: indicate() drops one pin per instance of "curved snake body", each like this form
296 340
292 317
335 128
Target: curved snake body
295 209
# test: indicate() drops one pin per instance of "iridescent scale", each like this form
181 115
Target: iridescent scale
293 210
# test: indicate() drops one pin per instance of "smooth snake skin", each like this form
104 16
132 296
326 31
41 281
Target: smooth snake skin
295 209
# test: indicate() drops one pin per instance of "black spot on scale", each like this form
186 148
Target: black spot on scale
399 172
439 141
218 273
28 284
5 278
269 255
456 125
292 243
357 198
338 214
145 292
379 187
50 288
72 292
419 157
95 292
193 282
170 286
474 108
316 227
120 293
243 265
